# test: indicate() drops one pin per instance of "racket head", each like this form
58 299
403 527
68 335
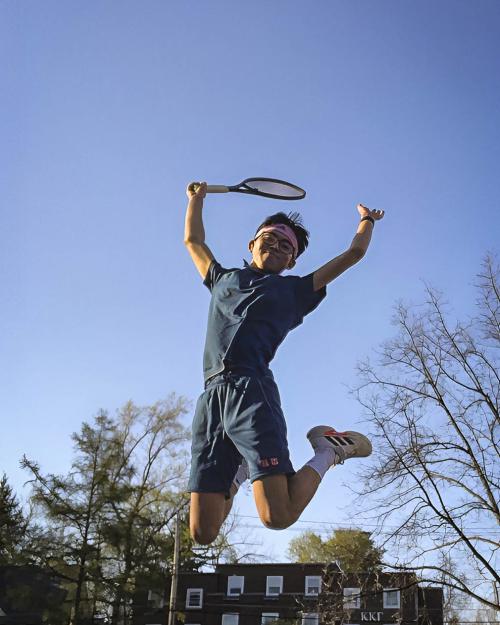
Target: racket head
271 187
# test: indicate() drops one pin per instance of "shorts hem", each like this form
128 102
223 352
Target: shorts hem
222 491
263 474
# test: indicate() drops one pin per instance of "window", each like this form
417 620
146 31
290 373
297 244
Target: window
230 619
391 598
313 585
274 585
235 584
310 618
269 617
194 598
351 598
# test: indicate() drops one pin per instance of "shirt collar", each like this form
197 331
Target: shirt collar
259 271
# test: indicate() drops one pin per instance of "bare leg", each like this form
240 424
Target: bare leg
207 513
280 500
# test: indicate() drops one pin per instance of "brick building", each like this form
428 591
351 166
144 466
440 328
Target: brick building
293 594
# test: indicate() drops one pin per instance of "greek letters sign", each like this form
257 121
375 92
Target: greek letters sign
371 616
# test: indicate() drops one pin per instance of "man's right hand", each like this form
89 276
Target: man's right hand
196 190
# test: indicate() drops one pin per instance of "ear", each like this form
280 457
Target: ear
291 264
251 244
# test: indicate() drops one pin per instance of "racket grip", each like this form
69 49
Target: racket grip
211 188
217 188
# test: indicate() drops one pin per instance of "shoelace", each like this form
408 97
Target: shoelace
341 445
340 453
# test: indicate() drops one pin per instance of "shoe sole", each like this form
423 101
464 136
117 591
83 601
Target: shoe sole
363 446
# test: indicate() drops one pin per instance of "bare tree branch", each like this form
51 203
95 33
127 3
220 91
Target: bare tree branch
432 399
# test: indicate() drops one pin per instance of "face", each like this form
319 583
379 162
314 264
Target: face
272 253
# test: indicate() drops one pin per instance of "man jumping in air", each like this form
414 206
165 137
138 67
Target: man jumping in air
239 430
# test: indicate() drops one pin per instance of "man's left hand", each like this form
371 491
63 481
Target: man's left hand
375 214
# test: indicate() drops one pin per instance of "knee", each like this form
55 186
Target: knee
276 519
203 535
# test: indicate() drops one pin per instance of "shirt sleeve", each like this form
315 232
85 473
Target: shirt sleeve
307 298
214 274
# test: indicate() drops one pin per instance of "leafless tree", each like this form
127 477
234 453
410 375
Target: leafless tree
432 398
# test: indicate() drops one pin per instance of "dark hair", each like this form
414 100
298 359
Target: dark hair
294 221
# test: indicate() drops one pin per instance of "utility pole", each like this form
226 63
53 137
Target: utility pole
175 572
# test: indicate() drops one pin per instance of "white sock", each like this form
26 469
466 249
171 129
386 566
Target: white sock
322 460
241 475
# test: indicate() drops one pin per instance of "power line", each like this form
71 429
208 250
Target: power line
487 530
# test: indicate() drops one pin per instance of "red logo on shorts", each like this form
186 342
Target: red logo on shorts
265 463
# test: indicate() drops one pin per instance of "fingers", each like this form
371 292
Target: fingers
374 213
196 189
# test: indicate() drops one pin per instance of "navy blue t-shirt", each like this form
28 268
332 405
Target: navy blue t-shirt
250 314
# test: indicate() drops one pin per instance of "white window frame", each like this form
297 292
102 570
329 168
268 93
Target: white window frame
388 606
269 584
312 577
308 616
349 602
273 616
230 621
191 591
241 585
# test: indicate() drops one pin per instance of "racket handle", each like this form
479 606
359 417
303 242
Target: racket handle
217 188
211 188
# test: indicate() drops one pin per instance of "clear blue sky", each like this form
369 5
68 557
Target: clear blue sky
108 109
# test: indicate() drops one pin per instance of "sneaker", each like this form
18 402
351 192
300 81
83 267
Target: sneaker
345 444
242 474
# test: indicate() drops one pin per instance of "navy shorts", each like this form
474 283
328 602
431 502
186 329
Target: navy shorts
237 416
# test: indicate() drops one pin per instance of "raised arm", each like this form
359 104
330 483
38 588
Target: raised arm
194 232
333 268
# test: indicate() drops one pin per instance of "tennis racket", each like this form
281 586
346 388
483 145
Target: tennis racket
266 187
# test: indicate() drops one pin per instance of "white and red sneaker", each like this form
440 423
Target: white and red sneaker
345 444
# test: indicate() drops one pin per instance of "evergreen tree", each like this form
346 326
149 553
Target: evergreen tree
107 527
12 524
106 523
72 506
